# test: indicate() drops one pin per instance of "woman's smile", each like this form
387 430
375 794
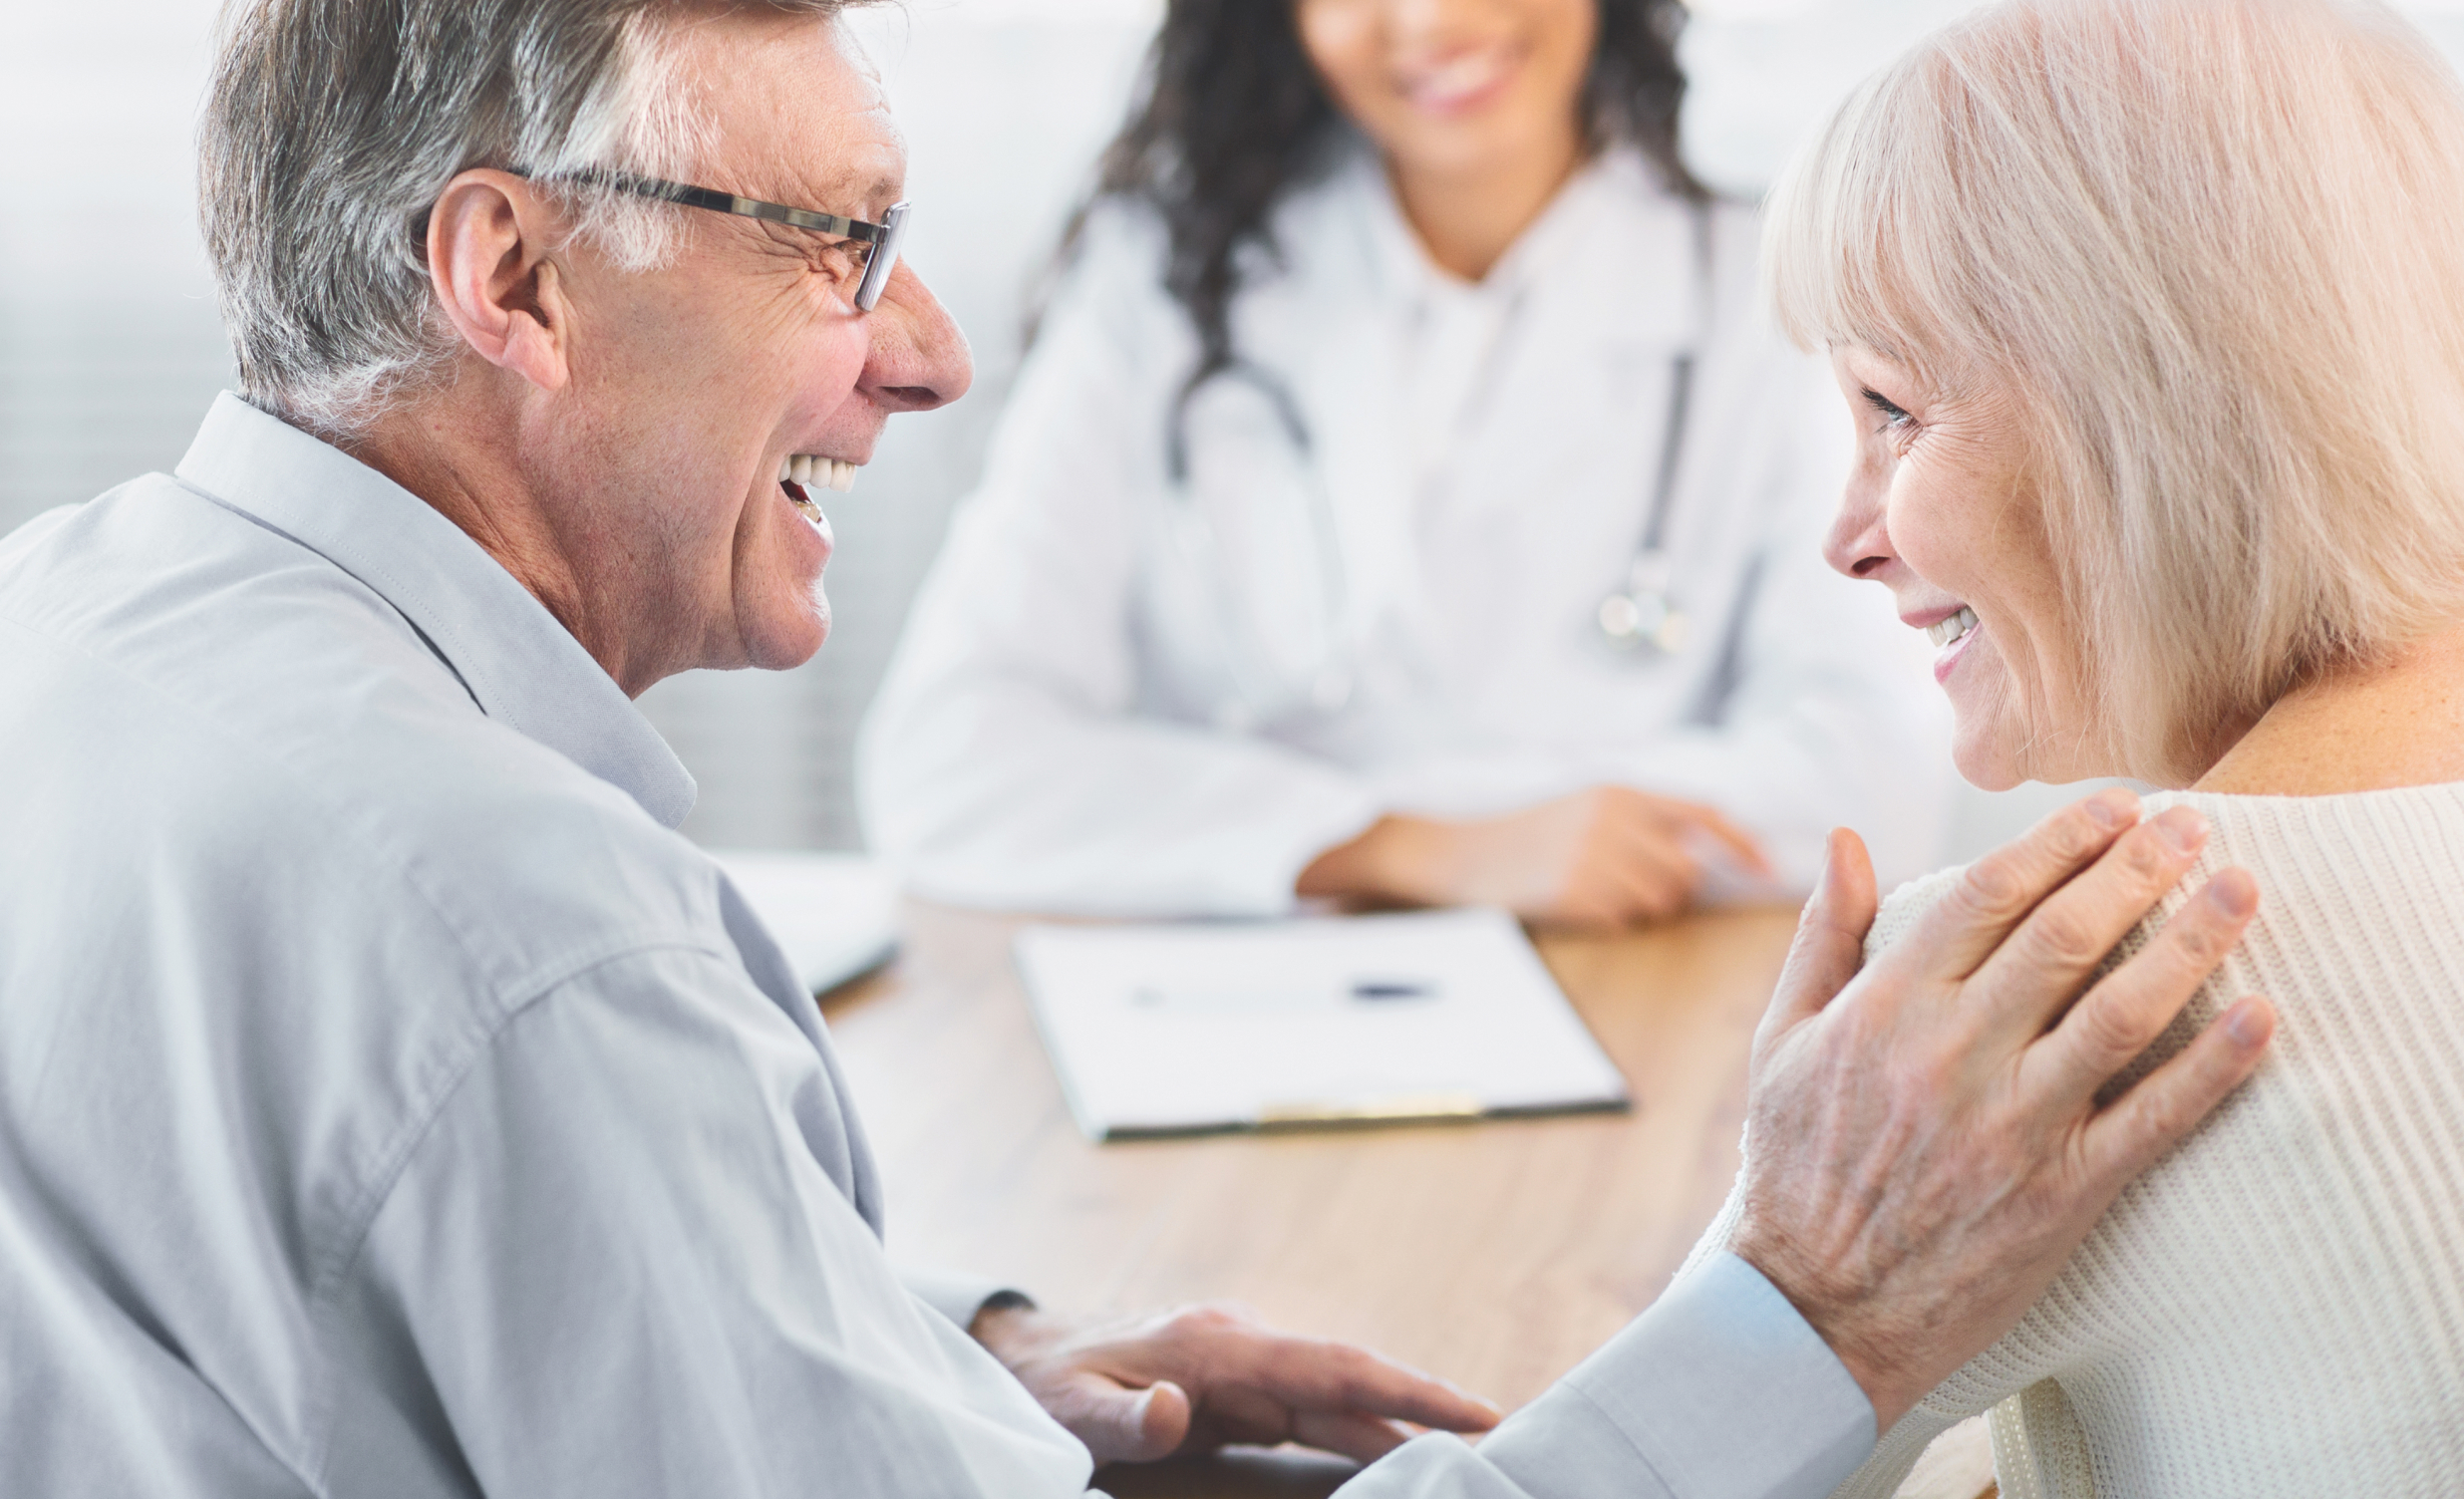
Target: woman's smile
1462 82
1954 634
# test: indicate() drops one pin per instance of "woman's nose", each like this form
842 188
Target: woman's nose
1859 542
919 359
1436 19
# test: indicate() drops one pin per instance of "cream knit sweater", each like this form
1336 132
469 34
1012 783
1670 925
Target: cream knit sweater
2278 1307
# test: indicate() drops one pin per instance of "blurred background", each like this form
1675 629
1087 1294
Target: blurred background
110 349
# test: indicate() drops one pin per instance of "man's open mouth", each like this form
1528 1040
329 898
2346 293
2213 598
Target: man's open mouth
800 474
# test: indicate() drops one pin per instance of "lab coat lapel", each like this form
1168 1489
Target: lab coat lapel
1572 401
1608 298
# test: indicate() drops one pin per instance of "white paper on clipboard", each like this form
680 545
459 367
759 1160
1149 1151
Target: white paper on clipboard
1160 1029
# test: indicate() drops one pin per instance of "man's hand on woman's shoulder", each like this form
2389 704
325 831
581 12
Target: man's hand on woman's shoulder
1927 1136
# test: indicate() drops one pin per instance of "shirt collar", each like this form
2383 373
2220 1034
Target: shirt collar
521 667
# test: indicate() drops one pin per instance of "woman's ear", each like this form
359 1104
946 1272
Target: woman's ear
488 263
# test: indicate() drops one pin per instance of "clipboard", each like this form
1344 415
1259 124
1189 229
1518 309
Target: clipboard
1165 1030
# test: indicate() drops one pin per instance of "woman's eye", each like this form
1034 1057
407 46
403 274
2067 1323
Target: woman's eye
1893 416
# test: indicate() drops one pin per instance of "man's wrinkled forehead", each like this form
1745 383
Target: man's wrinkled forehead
797 111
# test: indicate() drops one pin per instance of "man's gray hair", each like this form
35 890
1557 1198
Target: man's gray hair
332 127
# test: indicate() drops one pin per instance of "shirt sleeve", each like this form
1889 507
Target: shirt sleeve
1005 762
1720 1391
616 1264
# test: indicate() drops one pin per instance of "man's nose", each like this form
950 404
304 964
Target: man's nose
919 359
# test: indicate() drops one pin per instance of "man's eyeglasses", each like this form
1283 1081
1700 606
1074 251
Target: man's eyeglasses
878 243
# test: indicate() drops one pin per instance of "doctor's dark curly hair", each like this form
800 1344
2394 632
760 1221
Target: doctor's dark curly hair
1231 115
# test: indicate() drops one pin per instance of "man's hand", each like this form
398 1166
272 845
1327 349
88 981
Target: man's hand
1928 1139
1600 859
1195 1379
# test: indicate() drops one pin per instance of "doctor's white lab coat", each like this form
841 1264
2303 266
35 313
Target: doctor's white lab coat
1120 693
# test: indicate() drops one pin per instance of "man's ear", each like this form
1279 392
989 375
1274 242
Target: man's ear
489 264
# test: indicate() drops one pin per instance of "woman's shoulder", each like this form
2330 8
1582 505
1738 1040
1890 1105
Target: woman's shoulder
2365 853
2395 820
2377 873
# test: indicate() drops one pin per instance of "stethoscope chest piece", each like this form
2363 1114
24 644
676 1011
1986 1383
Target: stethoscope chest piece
1644 617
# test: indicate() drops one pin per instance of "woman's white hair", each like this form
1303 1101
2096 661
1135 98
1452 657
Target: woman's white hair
332 126
2216 250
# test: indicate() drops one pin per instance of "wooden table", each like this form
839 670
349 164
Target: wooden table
1494 1253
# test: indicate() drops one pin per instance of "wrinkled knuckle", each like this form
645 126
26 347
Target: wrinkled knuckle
1989 888
1203 1318
2063 940
2109 1032
2163 1116
2145 858
2068 838
2076 835
2198 943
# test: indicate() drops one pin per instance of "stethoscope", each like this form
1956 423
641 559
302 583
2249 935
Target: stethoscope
1328 682
1644 617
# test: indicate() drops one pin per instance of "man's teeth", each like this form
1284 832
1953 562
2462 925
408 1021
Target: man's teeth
1953 628
805 468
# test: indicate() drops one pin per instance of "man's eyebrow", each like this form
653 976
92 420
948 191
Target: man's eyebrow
856 192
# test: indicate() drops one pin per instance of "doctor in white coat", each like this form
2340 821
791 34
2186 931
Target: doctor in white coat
1403 500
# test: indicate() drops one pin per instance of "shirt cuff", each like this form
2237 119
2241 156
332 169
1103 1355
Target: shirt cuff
1721 1389
956 1295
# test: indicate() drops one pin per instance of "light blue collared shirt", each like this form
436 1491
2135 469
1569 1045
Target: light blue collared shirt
392 1103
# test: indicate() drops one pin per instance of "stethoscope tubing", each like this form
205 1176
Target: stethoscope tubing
1645 596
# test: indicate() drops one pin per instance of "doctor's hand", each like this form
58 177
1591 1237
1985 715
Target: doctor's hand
1600 859
1199 1378
1929 1138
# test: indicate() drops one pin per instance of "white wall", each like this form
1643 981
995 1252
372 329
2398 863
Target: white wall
110 347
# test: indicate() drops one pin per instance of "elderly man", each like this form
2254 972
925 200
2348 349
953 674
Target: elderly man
391 1103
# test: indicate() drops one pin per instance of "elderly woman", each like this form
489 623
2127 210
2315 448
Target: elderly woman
2151 317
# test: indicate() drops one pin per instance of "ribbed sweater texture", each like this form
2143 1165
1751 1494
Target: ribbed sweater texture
2278 1307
